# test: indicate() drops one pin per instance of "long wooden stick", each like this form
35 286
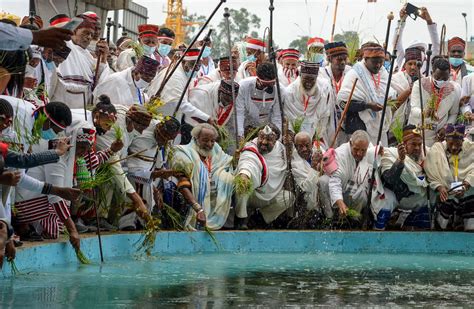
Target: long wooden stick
344 112
334 21
128 157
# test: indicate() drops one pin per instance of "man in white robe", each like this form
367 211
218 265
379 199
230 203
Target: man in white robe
154 43
467 104
127 87
207 63
175 87
208 181
432 30
334 73
131 121
257 103
402 83
262 167
33 206
305 165
308 104
221 73
364 112
345 186
459 68
440 102
288 71
78 71
145 168
450 169
216 100
255 55
404 184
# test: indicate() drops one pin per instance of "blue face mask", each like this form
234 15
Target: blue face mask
318 58
251 58
189 73
50 65
455 62
164 49
148 50
48 134
207 52
387 64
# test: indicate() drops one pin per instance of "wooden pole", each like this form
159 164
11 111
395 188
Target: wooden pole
334 21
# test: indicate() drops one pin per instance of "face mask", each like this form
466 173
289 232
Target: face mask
189 73
148 50
30 71
8 134
48 134
141 84
318 58
387 64
207 52
439 83
455 62
50 65
164 49
251 58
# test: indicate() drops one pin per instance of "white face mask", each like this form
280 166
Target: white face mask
30 71
141 84
439 83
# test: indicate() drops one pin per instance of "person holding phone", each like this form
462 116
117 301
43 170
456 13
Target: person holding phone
432 30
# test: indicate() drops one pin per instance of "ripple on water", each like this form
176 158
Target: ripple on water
269 280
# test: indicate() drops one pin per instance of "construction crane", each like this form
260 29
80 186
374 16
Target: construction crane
175 20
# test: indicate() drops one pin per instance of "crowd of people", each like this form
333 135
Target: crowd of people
108 135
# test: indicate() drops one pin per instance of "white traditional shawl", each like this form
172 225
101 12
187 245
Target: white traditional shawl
250 165
186 159
448 108
77 72
410 172
307 179
318 111
365 91
206 98
440 172
121 89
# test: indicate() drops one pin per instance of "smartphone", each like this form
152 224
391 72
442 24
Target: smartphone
412 11
73 23
52 144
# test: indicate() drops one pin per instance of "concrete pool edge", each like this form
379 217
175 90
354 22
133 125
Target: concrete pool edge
115 245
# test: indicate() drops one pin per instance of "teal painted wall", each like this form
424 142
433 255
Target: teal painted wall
44 256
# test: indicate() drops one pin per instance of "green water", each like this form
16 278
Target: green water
249 281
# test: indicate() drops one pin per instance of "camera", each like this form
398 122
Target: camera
412 11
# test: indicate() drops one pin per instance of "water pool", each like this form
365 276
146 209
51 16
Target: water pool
264 280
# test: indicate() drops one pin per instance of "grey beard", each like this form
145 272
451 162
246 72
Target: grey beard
202 152
310 92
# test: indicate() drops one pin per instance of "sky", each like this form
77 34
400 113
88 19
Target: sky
293 18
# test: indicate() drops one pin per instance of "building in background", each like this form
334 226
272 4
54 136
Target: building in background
126 15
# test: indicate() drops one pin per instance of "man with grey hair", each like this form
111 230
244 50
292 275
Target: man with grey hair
305 164
207 178
260 178
346 183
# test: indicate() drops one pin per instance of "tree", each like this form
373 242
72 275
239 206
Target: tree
197 21
241 23
352 40
300 43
